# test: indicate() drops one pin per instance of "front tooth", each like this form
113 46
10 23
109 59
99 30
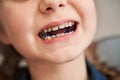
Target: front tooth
55 28
62 26
66 24
70 23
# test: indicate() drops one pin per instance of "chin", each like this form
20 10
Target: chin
67 60
63 57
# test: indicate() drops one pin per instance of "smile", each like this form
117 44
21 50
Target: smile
58 31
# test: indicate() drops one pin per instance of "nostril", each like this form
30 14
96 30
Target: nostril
49 8
61 5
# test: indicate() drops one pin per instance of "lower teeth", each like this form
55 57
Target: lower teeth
56 36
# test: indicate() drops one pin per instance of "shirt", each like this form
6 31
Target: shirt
93 73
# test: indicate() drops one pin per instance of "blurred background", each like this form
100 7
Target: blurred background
108 31
108 12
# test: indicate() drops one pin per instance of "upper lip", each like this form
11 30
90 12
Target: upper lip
56 23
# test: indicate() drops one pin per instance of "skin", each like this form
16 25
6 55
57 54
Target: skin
21 21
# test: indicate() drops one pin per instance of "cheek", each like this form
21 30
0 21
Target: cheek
86 9
16 22
19 28
89 19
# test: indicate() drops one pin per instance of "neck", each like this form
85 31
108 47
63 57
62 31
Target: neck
74 70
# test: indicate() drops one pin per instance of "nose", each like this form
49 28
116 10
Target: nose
47 6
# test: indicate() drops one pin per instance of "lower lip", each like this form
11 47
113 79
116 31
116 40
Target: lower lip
62 38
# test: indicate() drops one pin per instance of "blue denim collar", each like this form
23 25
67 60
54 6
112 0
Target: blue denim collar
94 74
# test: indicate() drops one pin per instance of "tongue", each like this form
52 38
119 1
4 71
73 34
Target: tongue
59 31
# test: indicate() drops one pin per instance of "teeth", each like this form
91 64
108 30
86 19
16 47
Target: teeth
66 33
53 36
58 35
66 24
70 24
45 31
62 26
48 38
62 34
70 32
55 28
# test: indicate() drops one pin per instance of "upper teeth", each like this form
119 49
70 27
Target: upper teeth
62 26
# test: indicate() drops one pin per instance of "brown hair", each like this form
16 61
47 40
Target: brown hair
92 55
10 63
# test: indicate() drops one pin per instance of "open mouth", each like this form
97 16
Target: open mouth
58 31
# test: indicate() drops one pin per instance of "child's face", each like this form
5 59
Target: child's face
25 23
